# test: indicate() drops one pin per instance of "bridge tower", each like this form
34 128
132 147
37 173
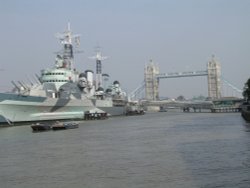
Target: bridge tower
151 81
214 79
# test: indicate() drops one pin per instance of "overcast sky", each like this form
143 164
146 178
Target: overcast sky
179 35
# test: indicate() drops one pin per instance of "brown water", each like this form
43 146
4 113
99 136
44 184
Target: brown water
166 149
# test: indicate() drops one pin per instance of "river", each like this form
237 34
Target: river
167 149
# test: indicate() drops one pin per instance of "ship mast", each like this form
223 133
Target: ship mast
98 57
66 38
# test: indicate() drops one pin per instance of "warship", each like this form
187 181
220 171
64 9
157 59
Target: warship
62 92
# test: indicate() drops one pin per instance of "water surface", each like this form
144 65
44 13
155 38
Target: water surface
168 149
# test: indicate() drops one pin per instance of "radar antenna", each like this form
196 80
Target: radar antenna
67 39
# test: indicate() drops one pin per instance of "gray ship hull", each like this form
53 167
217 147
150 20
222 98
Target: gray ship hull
114 110
18 108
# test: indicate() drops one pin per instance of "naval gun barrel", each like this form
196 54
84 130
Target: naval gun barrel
15 85
38 78
23 85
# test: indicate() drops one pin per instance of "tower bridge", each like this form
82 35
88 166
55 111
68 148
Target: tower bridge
150 86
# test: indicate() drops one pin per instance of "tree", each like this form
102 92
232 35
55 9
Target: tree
246 90
180 98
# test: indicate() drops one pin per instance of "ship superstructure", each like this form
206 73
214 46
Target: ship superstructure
62 91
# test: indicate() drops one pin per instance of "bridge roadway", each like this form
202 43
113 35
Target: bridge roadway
218 105
179 104
182 74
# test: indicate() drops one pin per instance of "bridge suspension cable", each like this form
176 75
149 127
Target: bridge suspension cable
136 93
237 90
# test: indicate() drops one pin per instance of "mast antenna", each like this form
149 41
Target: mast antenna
98 57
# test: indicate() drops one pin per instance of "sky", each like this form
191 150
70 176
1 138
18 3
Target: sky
178 35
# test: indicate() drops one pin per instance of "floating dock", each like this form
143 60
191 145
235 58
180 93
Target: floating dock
95 115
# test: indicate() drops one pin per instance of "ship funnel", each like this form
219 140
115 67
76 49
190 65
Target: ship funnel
90 77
